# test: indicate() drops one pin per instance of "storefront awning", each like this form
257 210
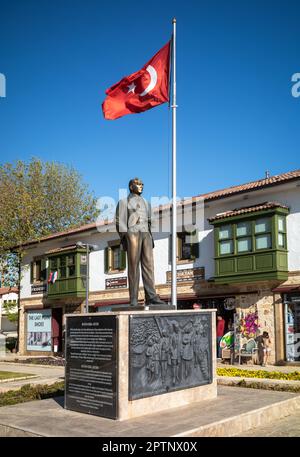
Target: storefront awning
287 289
111 302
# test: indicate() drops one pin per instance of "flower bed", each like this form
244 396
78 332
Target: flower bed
53 361
239 373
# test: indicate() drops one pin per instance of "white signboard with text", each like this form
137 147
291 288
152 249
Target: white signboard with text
39 330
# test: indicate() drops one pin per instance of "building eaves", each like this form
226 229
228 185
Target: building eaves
218 194
247 210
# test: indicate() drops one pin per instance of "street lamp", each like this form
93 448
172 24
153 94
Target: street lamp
89 247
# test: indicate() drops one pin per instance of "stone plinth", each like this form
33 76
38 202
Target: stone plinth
123 365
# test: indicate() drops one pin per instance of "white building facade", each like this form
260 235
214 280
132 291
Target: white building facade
8 296
243 259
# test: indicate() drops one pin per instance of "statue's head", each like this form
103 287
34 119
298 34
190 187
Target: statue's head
136 186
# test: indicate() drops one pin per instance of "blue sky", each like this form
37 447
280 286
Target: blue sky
236 115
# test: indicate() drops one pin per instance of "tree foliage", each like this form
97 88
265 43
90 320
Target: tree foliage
9 269
11 309
39 198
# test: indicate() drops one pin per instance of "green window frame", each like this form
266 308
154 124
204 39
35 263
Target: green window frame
186 250
263 233
281 232
38 270
83 265
243 231
248 236
62 269
65 265
71 266
54 264
244 245
114 258
225 240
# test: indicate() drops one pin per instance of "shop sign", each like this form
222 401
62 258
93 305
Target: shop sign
39 330
116 283
38 289
188 274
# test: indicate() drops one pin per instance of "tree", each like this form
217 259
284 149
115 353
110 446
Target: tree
39 198
11 308
9 270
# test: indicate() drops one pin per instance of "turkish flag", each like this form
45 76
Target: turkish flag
141 90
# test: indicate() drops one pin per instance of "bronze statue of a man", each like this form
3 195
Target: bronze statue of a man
133 223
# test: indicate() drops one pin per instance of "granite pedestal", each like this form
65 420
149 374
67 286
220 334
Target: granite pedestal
127 364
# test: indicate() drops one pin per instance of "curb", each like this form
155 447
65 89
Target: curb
30 364
236 425
21 378
266 383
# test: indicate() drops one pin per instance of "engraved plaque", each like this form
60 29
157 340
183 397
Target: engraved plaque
168 353
91 365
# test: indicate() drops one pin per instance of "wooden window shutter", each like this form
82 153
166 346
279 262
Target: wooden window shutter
179 248
43 269
106 260
31 272
195 250
122 259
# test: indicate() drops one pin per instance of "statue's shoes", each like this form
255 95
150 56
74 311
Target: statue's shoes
156 301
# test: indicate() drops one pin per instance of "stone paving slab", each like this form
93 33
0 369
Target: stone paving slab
208 418
287 427
32 368
44 375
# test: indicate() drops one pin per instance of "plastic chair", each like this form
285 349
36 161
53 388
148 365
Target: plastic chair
248 349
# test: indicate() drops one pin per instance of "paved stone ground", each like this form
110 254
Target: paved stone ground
46 375
48 418
287 427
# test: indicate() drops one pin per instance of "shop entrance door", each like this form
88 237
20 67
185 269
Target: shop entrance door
292 328
57 330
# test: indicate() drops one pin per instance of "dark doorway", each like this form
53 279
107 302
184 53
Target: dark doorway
57 330
292 327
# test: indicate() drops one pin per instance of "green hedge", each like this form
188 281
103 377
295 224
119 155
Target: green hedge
29 393
10 343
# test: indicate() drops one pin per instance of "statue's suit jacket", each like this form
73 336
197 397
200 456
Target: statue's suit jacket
125 213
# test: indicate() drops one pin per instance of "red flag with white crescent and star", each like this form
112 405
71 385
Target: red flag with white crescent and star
141 90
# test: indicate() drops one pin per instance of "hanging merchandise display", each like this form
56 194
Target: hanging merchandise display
229 303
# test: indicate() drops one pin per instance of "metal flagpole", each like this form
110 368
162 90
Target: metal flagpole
174 208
